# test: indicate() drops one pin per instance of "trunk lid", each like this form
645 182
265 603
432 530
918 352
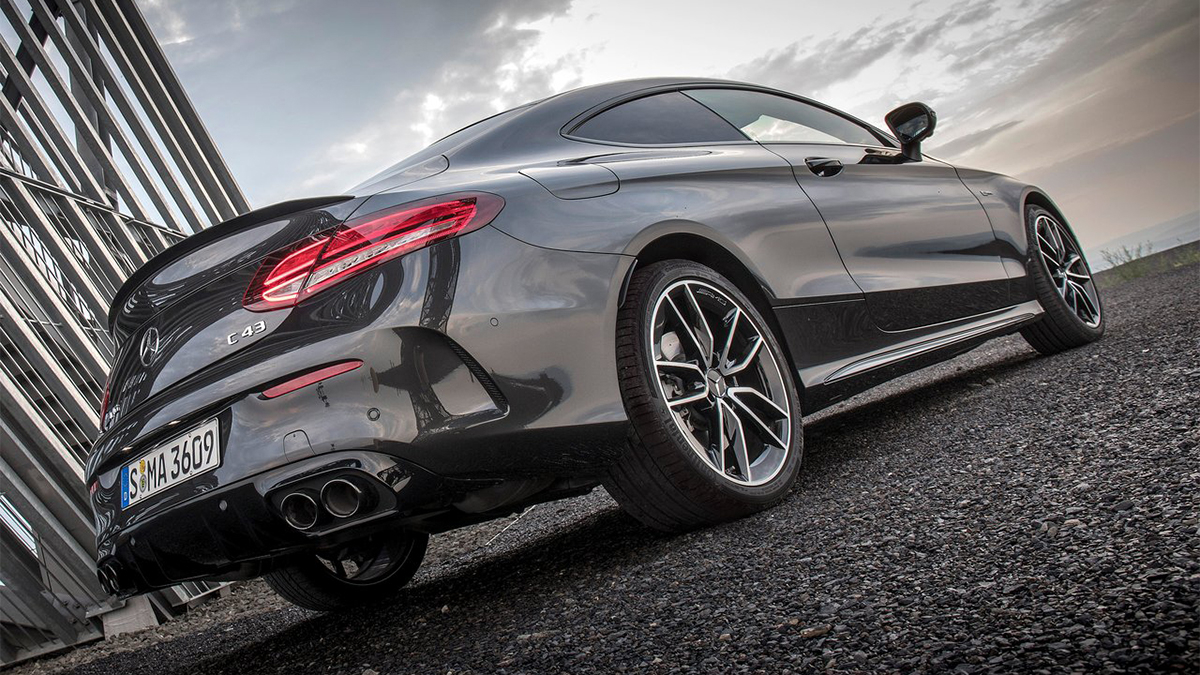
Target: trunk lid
182 311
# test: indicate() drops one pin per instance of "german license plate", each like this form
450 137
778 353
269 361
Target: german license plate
180 459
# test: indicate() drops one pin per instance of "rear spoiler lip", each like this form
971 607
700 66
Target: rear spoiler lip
180 249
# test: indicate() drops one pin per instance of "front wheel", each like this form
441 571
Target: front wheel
715 417
1064 285
357 573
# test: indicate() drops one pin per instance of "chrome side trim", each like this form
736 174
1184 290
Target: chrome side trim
909 351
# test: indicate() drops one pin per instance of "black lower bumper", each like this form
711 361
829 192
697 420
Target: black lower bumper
236 531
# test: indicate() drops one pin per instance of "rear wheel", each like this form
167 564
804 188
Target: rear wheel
716 431
1064 286
357 573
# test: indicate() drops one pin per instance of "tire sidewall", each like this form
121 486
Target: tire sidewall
1047 293
664 275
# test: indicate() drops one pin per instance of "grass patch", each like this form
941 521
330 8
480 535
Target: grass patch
1130 263
1141 260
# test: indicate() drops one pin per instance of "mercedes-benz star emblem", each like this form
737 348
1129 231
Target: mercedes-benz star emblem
149 347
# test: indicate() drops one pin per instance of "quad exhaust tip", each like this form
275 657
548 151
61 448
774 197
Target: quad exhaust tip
341 498
299 510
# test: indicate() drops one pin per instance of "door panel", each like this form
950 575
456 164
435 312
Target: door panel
910 233
741 196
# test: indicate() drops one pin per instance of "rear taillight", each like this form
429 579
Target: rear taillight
281 277
104 403
294 273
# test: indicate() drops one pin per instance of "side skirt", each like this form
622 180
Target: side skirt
925 345
890 355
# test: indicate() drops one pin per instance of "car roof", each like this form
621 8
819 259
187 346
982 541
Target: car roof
536 128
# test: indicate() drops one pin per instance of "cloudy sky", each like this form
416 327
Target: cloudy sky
1096 101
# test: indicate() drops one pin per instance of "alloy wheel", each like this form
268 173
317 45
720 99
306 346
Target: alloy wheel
366 560
721 382
1068 270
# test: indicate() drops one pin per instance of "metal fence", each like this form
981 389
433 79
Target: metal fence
103 163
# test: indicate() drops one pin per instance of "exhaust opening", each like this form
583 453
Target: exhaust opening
106 581
341 497
299 510
110 577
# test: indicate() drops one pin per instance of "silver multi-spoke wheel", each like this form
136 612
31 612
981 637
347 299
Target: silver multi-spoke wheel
723 386
715 432
1067 268
1063 284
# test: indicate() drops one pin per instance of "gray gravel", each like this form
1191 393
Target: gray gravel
1001 512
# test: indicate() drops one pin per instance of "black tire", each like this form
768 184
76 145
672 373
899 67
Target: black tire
659 479
1060 327
308 582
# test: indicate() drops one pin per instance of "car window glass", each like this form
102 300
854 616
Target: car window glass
659 119
767 118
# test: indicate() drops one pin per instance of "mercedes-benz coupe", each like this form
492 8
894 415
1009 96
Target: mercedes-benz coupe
643 285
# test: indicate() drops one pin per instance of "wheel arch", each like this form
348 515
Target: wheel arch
705 251
1037 197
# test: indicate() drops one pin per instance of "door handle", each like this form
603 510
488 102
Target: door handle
823 166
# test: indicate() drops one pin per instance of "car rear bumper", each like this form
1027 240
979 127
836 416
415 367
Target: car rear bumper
236 530
475 369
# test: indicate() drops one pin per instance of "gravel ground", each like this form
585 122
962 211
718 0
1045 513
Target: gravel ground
1000 512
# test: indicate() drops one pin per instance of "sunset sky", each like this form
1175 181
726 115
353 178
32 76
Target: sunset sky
1096 101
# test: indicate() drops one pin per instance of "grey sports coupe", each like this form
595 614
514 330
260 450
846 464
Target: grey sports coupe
643 284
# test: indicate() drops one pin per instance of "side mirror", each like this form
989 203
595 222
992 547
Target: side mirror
912 123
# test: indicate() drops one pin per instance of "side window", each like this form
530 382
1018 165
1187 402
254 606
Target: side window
658 119
767 118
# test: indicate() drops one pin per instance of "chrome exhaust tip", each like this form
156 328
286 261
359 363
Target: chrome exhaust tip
110 578
299 510
106 581
341 498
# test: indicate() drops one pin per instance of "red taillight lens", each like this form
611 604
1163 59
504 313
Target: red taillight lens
310 378
280 278
104 402
294 273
